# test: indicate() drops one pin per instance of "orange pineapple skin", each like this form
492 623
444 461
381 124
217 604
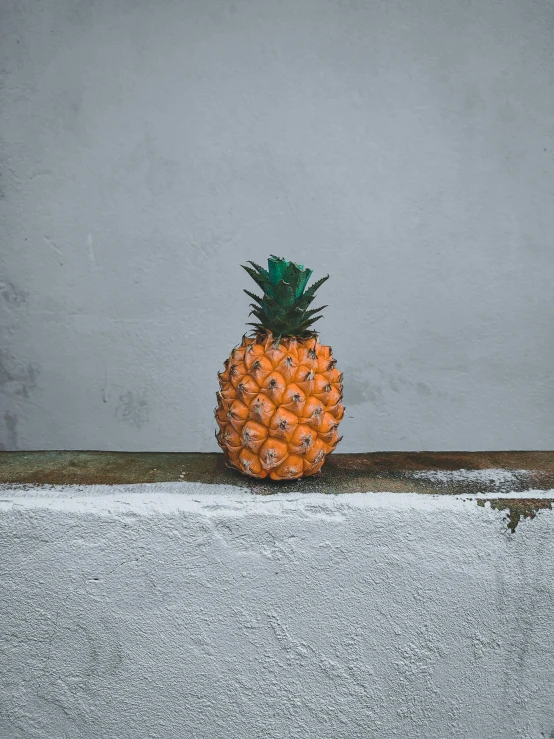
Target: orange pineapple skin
279 407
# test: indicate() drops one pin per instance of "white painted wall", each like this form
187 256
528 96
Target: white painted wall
148 148
183 610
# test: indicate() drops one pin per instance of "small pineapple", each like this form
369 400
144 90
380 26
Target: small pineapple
280 397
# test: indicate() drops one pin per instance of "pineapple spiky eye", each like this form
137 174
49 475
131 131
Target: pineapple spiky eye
270 457
312 353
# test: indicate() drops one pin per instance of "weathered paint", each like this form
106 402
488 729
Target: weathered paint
175 610
518 508
433 473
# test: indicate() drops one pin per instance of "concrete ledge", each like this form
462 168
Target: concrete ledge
175 610
422 472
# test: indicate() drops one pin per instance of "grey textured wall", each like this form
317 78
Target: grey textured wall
148 148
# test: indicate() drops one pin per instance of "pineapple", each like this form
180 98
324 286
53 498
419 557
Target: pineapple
280 397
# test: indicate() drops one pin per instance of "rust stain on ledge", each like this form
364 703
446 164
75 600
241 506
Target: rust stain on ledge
446 473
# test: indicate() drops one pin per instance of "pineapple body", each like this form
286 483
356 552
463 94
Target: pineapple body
279 406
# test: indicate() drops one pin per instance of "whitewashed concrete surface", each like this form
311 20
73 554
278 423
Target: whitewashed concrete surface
188 611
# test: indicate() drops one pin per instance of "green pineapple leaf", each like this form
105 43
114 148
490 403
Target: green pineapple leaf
283 307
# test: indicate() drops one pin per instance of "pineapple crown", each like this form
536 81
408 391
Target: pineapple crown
283 308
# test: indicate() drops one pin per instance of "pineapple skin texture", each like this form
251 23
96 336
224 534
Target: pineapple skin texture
279 407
